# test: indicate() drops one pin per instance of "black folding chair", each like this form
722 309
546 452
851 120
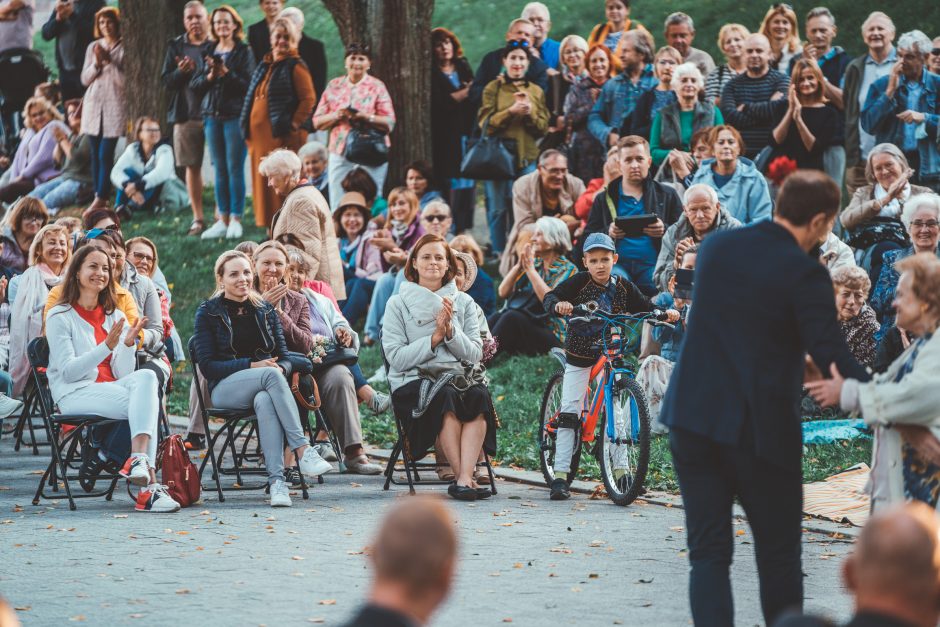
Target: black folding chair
27 419
402 451
235 424
64 443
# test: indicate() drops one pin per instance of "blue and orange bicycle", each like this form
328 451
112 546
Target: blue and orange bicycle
615 422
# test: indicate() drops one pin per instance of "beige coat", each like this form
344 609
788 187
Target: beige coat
863 206
305 214
103 106
527 208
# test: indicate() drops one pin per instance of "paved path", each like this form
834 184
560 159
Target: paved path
523 559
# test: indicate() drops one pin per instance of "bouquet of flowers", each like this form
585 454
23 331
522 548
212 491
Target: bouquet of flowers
321 346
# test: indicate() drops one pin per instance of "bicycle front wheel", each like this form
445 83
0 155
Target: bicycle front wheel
551 406
624 447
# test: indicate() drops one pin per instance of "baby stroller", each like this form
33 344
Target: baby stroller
21 69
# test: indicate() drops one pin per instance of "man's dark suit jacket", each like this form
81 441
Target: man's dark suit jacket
311 51
759 303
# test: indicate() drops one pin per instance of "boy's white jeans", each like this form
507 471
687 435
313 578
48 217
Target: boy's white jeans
573 389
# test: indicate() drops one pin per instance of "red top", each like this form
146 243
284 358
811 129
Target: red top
95 318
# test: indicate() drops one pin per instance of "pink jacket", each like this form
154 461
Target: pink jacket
103 106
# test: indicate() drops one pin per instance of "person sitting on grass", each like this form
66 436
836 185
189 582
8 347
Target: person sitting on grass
582 347
92 360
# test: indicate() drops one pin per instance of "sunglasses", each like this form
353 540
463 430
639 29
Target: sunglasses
436 217
935 52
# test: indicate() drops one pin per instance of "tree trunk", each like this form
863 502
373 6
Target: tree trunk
146 27
398 32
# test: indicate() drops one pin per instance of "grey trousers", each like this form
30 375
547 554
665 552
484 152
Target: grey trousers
340 405
266 391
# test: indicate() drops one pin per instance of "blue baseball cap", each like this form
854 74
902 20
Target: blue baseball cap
599 240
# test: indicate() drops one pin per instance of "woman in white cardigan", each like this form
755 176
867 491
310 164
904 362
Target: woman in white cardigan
431 339
145 171
903 404
91 368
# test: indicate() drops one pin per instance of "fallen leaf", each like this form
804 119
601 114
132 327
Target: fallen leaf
316 619
517 565
77 619
593 576
739 532
328 602
297 557
120 515
24 608
650 580
597 543
506 620
183 591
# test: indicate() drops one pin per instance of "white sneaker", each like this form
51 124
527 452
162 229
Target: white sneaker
219 229
234 230
9 406
326 452
379 403
156 500
312 465
379 376
280 494
137 470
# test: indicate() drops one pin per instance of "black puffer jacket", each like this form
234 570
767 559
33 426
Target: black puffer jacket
222 99
282 98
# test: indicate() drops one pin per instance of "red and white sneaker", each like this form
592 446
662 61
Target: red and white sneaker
156 499
137 470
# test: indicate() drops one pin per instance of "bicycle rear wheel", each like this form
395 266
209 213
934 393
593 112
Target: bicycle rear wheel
624 458
551 405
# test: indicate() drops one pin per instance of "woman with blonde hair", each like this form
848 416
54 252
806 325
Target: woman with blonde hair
19 228
239 342
34 161
780 27
731 43
49 254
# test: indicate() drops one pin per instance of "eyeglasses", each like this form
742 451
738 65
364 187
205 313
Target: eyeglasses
151 130
33 219
142 256
518 43
925 224
435 217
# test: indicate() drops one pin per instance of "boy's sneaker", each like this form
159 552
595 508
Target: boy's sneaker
312 465
219 229
234 230
156 500
379 403
280 494
137 470
560 490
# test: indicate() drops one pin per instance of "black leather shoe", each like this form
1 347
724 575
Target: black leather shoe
560 490
483 493
462 492
194 442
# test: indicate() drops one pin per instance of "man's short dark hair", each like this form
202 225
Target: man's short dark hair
805 194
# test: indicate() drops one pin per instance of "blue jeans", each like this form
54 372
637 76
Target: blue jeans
358 295
499 216
227 150
150 194
639 272
59 192
102 158
359 379
386 287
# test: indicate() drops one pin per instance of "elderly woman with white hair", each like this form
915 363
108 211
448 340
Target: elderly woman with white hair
313 157
921 216
674 125
702 214
873 217
306 216
279 100
522 326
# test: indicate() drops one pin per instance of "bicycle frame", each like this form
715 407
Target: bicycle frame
604 393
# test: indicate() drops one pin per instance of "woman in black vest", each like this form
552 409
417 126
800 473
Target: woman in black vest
279 102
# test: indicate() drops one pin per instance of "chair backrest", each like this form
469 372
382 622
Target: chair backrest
37 353
197 383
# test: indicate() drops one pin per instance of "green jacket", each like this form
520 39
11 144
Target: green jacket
497 98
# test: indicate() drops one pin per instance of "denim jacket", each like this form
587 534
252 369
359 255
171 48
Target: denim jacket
616 101
879 117
213 340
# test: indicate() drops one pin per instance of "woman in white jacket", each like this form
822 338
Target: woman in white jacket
91 368
903 404
431 339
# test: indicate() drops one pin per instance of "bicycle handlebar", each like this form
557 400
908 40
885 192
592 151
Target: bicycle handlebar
590 312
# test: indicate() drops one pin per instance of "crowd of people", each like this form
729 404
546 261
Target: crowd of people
623 159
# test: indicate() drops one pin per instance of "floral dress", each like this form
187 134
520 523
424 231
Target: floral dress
368 96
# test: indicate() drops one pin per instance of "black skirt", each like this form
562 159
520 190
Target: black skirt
423 431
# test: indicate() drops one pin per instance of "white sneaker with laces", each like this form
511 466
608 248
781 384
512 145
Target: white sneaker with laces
137 470
234 230
156 500
9 406
312 465
219 229
326 452
280 494
379 403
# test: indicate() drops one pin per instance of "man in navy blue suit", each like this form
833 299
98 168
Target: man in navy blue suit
762 301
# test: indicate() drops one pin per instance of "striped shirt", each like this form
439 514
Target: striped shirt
756 121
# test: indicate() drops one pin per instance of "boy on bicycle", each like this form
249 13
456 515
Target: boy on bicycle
583 345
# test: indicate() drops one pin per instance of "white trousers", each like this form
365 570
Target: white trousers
573 389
